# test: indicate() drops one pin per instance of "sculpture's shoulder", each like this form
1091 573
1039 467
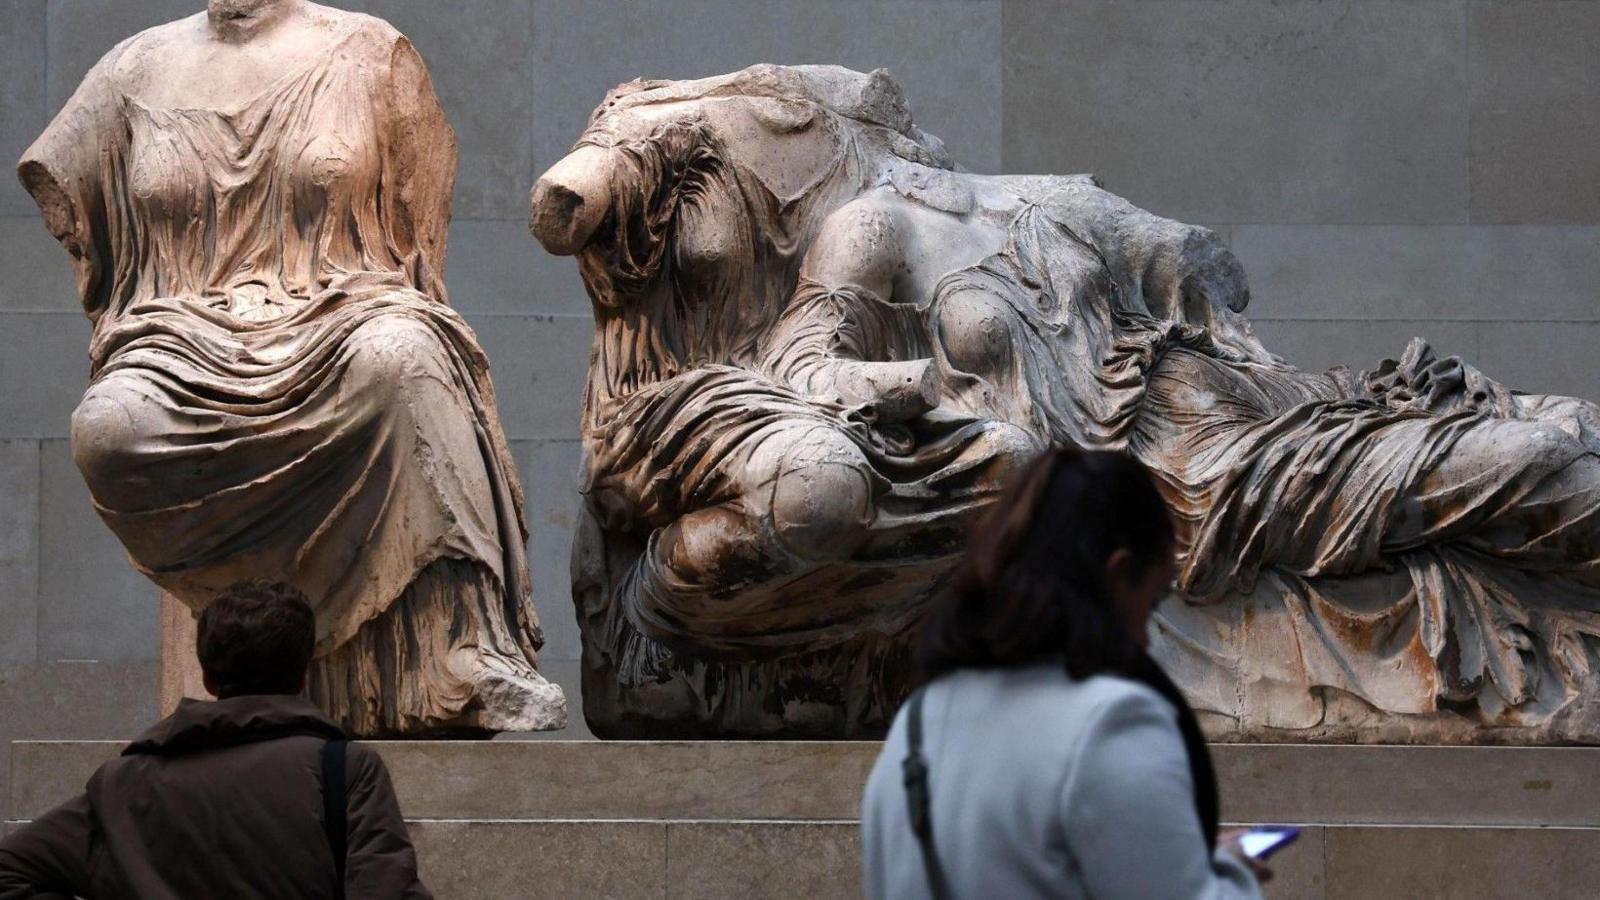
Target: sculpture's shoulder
149 55
371 39
875 211
918 191
367 30
145 54
861 243
379 43
1037 187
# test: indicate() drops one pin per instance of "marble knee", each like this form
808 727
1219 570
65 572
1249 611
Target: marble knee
388 356
112 422
1504 485
975 331
822 498
1009 446
1536 447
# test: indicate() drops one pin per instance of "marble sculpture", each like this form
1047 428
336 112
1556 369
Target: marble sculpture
820 345
255 199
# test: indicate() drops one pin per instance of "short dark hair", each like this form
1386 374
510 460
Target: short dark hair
1032 583
256 637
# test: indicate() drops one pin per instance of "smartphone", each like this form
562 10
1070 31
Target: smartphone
1260 843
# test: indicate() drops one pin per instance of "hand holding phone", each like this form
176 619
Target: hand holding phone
1263 841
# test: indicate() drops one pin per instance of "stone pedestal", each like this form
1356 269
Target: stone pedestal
180 668
778 820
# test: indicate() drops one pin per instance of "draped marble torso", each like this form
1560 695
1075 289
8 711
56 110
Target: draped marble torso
279 387
1415 549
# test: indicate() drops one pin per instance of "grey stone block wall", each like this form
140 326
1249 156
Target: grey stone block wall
22 86
1383 168
946 53
1347 111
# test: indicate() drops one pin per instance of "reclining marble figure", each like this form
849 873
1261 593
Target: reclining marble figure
255 199
820 345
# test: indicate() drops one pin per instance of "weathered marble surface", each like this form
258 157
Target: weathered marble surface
820 345
255 199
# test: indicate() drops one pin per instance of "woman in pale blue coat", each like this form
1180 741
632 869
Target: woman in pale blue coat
1055 758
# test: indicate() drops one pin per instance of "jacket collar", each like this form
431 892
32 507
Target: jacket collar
208 724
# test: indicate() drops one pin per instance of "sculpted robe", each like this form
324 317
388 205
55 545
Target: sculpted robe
279 388
1417 537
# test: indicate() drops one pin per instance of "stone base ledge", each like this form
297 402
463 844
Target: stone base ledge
1326 784
738 860
776 819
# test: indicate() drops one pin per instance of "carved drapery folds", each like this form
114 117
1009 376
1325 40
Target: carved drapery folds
819 347
279 387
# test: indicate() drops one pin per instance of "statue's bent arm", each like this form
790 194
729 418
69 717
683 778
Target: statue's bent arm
856 260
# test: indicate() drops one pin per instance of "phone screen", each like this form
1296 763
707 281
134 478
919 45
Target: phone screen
1260 843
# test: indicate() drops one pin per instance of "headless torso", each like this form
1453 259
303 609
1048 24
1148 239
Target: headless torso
257 200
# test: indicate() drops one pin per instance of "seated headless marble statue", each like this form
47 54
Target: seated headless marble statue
820 346
255 199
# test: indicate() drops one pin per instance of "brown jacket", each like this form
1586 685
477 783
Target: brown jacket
220 799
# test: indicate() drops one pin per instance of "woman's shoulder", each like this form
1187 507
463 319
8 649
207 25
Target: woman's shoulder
1050 679
1109 690
1082 719
1050 700
1112 704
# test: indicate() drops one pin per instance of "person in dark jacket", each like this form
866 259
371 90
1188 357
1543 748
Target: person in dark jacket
225 798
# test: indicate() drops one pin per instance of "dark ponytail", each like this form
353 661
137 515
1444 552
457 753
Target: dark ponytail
1032 586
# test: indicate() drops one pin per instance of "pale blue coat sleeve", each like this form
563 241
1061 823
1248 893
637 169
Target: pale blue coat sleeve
1129 815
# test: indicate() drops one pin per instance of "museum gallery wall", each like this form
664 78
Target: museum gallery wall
820 343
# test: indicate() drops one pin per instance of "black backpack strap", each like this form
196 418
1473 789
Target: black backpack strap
334 814
919 800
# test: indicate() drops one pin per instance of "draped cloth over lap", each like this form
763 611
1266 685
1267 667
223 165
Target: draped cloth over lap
279 388
680 445
288 454
1321 502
